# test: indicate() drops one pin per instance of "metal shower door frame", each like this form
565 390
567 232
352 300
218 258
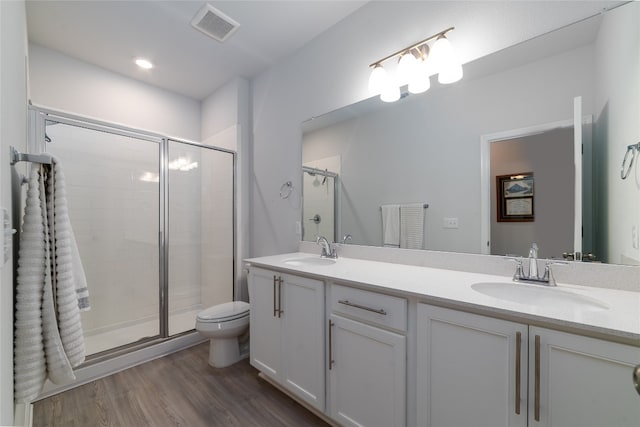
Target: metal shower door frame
38 116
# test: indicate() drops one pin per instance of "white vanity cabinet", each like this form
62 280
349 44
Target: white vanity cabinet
287 332
479 371
581 381
472 370
366 354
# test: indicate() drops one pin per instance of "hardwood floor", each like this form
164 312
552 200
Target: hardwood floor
177 390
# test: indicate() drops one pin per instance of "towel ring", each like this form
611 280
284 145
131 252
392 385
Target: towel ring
286 189
626 168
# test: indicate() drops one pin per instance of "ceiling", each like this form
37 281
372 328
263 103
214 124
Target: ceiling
110 34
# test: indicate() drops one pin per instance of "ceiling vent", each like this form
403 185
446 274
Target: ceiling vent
214 23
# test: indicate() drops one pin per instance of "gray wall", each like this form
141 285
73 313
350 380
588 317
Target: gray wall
550 157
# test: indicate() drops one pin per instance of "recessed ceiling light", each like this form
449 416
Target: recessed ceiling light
143 63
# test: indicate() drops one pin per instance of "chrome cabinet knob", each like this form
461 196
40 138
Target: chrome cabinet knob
636 378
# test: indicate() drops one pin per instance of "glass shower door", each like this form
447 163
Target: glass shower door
113 196
200 231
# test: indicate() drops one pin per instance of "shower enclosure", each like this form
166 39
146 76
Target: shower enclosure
153 218
320 204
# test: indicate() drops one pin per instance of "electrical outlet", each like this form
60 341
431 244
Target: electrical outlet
450 223
635 237
298 228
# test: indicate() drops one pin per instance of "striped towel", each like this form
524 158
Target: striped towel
29 358
412 226
51 289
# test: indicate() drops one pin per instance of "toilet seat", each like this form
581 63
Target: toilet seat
224 312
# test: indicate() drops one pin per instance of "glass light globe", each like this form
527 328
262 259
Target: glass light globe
407 68
420 82
391 93
451 74
445 61
378 80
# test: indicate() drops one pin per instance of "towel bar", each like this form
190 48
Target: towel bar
15 156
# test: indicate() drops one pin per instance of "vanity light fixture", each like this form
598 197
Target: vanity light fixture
415 64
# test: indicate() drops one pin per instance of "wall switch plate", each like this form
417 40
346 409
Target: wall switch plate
450 223
298 228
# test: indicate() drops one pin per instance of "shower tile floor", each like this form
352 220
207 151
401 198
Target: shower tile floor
178 322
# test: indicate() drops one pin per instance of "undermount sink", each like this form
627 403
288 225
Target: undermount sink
538 295
310 261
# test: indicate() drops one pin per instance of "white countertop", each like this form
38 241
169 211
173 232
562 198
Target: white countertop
620 318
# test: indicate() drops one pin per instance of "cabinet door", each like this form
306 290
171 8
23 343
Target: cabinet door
368 376
303 338
472 370
582 381
266 332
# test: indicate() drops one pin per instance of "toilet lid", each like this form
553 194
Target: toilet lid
224 312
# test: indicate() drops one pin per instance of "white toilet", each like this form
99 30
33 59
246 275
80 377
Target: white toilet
223 324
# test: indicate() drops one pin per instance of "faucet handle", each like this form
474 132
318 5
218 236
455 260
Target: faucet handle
519 274
515 258
346 237
548 274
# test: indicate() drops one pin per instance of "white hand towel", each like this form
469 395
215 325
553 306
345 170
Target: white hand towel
391 226
412 226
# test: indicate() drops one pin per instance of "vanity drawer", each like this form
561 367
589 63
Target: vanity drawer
384 310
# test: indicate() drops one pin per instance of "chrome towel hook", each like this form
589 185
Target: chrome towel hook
632 151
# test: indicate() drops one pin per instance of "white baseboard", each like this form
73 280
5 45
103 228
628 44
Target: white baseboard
23 415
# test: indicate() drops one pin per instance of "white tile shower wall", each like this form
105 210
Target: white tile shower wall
185 233
217 228
115 220
115 216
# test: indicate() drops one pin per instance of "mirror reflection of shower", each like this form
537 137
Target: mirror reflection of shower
320 203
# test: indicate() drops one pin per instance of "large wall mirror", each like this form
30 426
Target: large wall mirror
525 113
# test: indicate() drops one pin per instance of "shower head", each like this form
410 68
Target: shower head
48 123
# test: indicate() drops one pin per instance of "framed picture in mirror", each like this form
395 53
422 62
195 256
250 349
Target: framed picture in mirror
515 197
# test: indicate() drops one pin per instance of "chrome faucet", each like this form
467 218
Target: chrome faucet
533 276
328 249
533 261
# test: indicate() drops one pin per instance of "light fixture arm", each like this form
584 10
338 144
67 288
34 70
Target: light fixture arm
409 48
